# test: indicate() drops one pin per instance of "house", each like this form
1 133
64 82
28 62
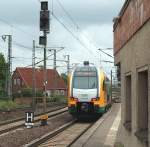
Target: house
22 78
132 57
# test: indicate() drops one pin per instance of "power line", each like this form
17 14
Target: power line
21 45
75 37
17 28
46 58
69 16
73 21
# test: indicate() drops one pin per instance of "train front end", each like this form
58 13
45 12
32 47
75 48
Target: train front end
84 91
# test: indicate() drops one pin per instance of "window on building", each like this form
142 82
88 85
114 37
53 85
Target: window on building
18 82
15 81
142 110
128 103
62 92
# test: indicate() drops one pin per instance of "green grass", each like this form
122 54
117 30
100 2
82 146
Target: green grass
8 105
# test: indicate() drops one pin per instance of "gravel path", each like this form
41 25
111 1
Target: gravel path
22 136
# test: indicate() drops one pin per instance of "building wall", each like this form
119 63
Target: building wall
134 16
134 55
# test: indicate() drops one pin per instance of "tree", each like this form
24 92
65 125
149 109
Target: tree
65 78
3 74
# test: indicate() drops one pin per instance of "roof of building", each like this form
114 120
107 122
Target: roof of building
54 81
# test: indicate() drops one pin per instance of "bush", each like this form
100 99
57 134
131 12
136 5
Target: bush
3 94
57 98
27 92
39 94
7 105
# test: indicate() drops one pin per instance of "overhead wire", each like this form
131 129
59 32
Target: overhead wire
73 21
74 36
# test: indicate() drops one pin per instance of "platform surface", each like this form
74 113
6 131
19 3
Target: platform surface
104 131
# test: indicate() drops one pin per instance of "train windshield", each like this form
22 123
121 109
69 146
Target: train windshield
85 78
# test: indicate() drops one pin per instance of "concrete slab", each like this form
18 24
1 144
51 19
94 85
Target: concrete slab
103 132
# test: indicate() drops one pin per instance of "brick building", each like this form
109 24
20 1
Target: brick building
22 78
132 56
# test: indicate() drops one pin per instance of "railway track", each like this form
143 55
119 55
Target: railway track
5 128
63 136
68 134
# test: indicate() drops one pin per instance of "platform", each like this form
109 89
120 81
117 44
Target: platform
103 133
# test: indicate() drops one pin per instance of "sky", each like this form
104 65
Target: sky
84 26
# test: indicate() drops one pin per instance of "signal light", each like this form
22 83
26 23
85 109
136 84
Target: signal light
44 20
42 40
44 5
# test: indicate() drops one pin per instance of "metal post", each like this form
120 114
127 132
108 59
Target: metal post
45 74
9 69
68 65
10 66
33 79
111 85
100 57
54 59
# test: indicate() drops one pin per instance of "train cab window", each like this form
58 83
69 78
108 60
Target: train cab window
85 78
142 109
128 103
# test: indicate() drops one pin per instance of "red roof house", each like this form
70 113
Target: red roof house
22 78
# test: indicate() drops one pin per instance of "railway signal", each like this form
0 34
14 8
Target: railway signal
44 17
44 26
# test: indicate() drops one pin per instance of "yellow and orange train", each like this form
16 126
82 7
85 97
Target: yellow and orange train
89 91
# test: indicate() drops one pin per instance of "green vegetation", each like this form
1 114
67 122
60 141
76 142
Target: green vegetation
3 75
27 92
57 98
8 105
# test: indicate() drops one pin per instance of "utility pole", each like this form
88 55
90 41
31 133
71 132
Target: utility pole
54 59
68 64
45 74
100 57
111 86
9 70
33 79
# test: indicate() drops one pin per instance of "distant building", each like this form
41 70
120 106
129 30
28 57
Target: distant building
132 56
22 78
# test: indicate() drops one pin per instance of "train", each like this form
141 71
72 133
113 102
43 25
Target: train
89 91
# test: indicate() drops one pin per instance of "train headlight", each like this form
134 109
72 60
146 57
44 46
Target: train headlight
94 99
74 99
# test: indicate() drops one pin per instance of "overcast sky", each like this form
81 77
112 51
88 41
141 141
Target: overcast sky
93 17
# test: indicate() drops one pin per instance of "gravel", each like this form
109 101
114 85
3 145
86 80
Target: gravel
23 136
